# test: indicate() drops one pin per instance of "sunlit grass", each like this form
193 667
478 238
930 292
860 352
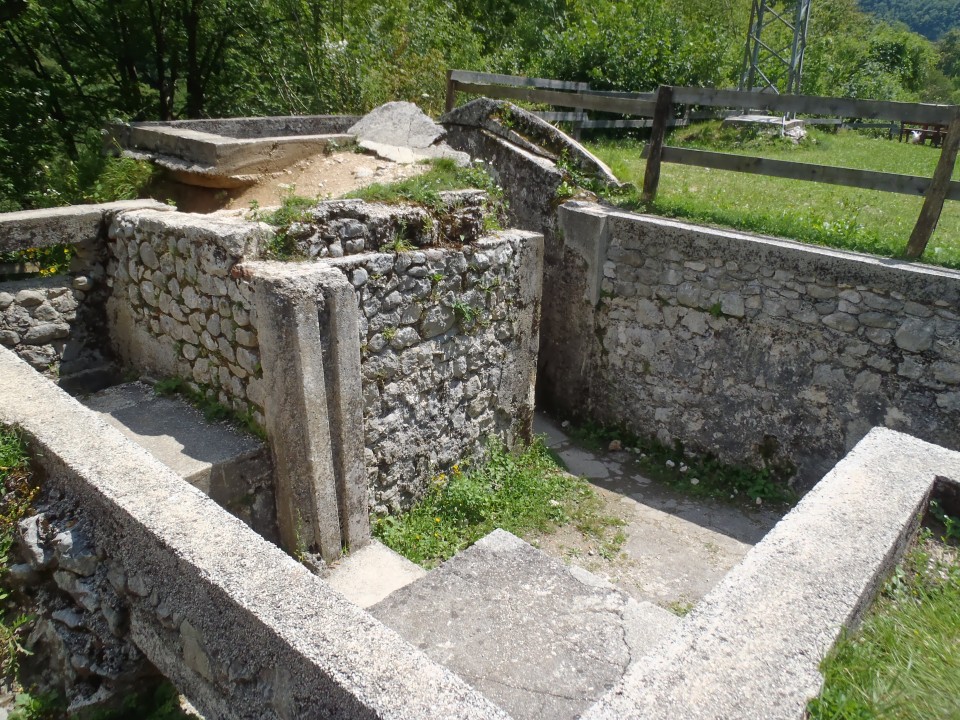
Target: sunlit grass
904 661
849 218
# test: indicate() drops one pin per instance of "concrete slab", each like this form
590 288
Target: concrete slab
538 638
678 547
228 465
368 575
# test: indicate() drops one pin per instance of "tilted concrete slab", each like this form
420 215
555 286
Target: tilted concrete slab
539 638
752 648
226 464
368 575
207 158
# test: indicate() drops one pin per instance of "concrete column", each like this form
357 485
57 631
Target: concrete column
310 352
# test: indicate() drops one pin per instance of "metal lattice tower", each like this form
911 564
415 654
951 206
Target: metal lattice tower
764 66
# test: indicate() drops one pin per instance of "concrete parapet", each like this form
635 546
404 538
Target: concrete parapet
242 629
752 648
63 225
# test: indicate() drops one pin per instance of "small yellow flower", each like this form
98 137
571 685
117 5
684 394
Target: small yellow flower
437 519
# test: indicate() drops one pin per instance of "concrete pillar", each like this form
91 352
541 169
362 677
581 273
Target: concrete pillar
310 352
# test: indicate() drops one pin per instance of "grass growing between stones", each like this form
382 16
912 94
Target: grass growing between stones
903 663
205 400
696 475
16 494
816 213
424 189
521 491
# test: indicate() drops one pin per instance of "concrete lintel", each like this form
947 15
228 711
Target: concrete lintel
63 225
584 230
310 351
752 648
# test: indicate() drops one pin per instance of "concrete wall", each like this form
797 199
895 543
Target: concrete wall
240 627
176 307
754 349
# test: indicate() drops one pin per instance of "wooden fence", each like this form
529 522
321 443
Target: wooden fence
558 93
936 190
659 111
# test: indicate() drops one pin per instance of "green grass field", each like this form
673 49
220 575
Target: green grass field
903 663
863 220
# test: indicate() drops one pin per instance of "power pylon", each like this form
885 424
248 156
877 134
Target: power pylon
764 66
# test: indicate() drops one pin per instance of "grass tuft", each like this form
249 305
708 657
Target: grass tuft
903 663
521 492
696 475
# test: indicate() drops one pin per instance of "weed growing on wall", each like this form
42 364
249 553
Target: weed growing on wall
17 492
698 475
424 190
520 491
903 661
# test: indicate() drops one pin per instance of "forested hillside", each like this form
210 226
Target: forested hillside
70 65
930 18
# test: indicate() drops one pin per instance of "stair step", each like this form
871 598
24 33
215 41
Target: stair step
366 576
539 638
232 467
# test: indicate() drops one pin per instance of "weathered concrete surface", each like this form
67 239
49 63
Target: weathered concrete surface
210 160
525 130
403 133
240 627
313 405
752 648
64 225
678 547
231 467
243 128
368 575
540 639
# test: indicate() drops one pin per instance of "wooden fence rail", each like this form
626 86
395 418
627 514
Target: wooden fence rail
659 112
936 190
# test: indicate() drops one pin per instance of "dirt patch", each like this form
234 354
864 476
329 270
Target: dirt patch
320 176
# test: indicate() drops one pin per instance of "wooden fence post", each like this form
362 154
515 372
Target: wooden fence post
937 194
661 114
451 91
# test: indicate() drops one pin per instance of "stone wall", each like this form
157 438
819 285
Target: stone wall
178 309
448 350
38 321
757 350
57 323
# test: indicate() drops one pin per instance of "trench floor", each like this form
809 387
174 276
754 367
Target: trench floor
677 547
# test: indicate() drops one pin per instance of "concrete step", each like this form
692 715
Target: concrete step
232 467
541 639
366 576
